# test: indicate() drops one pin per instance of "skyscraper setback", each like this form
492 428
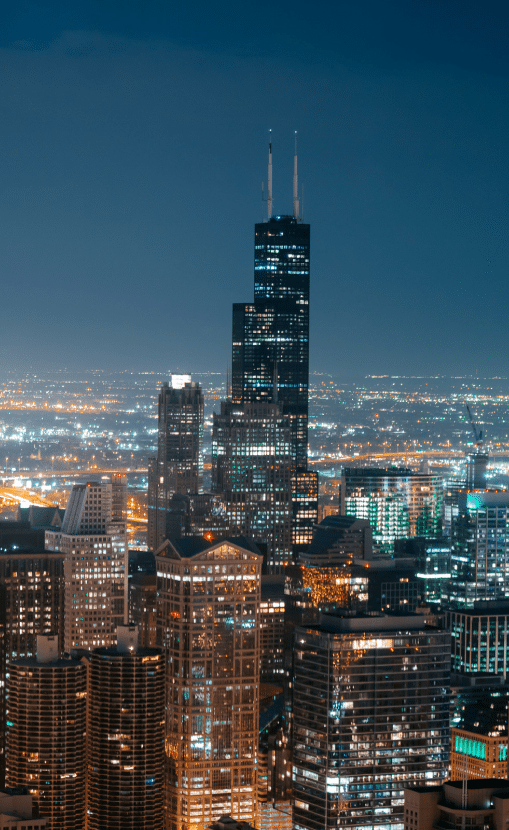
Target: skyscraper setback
270 356
270 349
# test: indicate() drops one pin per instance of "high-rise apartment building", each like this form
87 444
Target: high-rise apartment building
46 722
251 468
178 467
419 493
125 736
93 541
370 716
209 598
31 598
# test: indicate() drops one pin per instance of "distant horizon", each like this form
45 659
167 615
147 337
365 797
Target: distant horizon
206 372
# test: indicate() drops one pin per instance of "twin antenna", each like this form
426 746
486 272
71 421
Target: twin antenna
296 201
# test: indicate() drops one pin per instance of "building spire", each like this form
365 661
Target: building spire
269 195
295 183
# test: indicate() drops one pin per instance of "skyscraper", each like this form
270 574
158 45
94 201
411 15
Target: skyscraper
370 717
125 736
209 598
270 345
178 467
93 540
364 489
480 549
251 468
46 717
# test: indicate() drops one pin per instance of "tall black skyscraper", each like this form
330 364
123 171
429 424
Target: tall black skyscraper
178 467
270 353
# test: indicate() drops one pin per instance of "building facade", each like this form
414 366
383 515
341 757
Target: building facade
370 716
419 493
251 469
270 348
209 629
480 549
93 541
125 736
480 638
479 740
178 468
46 724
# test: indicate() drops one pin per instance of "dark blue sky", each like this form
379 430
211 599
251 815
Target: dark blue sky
133 143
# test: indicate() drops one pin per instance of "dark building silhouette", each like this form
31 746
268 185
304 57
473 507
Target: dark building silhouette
178 467
125 736
270 349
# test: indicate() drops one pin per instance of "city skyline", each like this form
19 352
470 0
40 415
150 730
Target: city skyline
133 139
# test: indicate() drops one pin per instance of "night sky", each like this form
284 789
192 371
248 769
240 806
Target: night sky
133 139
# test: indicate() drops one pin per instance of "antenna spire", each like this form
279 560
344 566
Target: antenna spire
269 195
295 183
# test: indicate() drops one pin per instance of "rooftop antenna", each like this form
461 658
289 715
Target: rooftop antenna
295 183
269 194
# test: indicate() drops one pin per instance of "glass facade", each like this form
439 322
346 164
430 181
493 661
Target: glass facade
210 630
371 717
480 550
251 468
270 352
178 467
480 639
420 493
271 335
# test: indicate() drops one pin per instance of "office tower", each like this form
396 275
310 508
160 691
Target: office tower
251 468
197 514
272 631
178 467
432 559
370 716
480 549
209 627
270 344
480 638
143 596
340 569
93 541
387 516
419 493
46 721
479 803
479 740
125 736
